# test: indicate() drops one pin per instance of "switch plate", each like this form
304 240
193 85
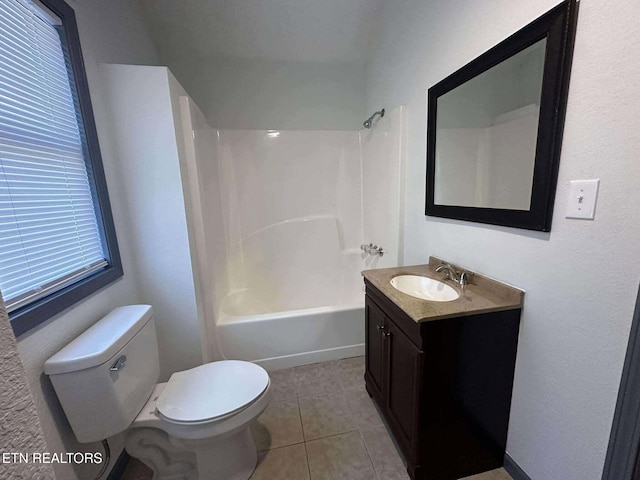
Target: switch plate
583 195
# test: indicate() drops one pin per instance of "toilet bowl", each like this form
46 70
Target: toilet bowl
205 412
196 426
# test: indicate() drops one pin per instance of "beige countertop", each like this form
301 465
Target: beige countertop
481 295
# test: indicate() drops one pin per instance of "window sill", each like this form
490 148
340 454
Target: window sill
30 316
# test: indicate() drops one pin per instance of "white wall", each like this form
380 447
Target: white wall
262 94
145 109
109 32
581 279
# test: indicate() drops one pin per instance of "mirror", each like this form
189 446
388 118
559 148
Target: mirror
495 128
486 132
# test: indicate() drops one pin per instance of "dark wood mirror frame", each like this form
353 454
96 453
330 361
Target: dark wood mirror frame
558 26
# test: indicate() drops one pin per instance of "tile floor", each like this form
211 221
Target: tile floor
322 425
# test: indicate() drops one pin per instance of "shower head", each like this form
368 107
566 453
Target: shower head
368 122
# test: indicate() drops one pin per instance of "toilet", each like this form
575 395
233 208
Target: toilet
193 427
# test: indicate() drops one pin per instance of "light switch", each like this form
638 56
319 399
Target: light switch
583 195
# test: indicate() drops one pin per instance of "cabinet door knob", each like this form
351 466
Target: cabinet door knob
380 327
386 334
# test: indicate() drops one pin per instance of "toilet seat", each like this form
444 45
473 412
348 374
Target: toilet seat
211 392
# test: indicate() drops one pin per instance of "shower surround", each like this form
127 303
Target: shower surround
296 206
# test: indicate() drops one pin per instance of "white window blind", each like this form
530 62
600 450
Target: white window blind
49 236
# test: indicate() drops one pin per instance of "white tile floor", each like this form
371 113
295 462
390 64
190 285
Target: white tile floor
322 425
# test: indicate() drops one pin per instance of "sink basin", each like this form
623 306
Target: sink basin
424 288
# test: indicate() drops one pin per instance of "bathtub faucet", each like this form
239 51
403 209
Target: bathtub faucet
372 249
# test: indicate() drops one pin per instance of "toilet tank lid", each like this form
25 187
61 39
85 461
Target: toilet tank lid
100 342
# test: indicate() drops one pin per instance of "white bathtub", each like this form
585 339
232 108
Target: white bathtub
296 305
297 337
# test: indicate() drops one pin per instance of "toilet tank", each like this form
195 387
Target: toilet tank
105 376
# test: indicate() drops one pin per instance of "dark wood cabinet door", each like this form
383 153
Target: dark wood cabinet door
443 386
374 352
403 387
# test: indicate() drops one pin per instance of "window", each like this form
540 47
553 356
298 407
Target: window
57 240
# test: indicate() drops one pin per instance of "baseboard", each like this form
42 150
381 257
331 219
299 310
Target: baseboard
514 469
118 468
306 358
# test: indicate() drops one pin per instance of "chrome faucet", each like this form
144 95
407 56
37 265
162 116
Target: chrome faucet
461 278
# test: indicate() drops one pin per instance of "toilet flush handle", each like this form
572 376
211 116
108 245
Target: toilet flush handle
120 363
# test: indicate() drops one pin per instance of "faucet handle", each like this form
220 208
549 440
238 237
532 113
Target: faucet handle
372 249
464 277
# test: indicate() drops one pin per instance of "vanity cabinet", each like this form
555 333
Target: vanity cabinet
443 386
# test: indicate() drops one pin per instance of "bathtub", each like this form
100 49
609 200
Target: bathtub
294 306
297 337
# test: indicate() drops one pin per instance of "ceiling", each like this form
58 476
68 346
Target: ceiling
332 31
